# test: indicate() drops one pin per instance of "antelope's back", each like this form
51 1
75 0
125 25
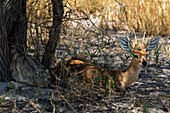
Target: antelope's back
84 70
71 66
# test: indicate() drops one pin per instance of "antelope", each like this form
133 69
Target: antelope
123 79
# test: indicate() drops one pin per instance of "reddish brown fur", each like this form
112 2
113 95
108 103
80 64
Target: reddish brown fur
85 71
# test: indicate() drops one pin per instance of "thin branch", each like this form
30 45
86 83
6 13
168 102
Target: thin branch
52 98
123 9
66 101
33 104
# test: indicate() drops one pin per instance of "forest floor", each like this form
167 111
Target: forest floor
150 93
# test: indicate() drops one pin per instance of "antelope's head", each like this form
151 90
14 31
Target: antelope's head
139 53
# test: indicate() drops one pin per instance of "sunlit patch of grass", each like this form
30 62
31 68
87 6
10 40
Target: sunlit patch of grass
151 17
39 17
39 10
105 10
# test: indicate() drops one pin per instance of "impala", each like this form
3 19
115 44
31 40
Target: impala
122 79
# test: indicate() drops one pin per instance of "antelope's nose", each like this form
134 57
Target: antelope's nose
144 63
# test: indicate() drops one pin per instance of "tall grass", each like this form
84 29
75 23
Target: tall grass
146 16
39 15
39 11
150 16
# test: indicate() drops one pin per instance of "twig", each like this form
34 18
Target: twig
103 31
37 94
52 98
15 107
123 9
33 104
37 41
66 101
86 108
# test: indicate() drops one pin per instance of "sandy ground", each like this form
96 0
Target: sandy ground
149 93
3 85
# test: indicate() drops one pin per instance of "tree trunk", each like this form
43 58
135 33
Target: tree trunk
12 33
17 24
4 49
54 34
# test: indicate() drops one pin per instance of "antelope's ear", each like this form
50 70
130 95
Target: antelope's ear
152 44
125 44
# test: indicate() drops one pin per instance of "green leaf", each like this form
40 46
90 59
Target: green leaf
99 50
19 90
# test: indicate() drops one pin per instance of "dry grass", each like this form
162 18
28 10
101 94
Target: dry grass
150 17
79 38
39 14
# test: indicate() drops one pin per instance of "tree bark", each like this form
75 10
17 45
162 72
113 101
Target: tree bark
4 49
16 24
12 33
54 34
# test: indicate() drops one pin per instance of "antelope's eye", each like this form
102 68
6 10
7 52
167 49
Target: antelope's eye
136 56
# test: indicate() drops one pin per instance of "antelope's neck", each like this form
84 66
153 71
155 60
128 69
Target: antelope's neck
130 75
